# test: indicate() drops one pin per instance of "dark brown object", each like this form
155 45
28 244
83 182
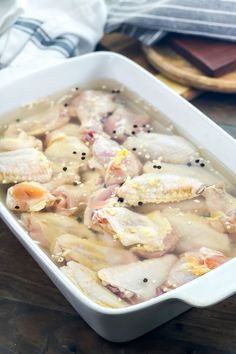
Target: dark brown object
213 57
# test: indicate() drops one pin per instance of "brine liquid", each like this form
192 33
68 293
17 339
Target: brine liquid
159 123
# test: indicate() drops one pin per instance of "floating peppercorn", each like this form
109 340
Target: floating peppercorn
17 207
140 203
189 164
74 152
134 149
64 168
120 200
202 164
145 280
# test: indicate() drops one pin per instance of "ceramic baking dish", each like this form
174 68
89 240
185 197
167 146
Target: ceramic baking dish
127 323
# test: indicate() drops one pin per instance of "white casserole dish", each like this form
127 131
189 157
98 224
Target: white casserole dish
127 323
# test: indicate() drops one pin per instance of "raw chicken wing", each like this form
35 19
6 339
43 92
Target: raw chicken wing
168 148
149 236
47 117
28 196
192 265
155 188
91 253
68 154
87 281
222 207
137 282
24 165
20 140
47 227
195 231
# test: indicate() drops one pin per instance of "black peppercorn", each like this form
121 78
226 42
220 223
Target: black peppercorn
120 200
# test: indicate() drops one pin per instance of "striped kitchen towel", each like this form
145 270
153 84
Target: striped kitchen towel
45 31
150 20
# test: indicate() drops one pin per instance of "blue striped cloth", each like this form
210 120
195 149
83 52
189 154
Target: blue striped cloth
33 28
44 31
150 20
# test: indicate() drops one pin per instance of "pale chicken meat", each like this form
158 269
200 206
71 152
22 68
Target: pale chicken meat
47 117
149 236
72 199
114 161
62 178
195 231
192 265
20 140
93 254
195 205
24 165
168 148
125 121
67 154
87 281
200 173
45 227
97 200
139 281
222 207
29 196
92 108
100 111
155 188
69 129
103 150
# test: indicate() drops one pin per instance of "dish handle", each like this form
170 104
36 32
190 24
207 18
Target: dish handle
211 288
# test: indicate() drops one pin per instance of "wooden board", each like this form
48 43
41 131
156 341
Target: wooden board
176 68
131 48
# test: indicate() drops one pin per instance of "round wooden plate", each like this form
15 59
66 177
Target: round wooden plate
176 68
